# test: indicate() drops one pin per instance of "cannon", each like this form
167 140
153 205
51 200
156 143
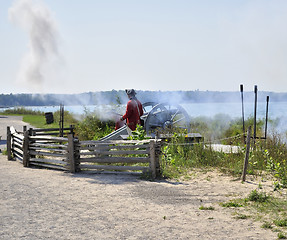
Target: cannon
157 118
164 117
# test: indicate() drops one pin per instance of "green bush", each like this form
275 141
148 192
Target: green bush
93 128
138 134
275 155
69 118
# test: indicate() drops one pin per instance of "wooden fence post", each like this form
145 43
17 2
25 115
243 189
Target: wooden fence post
32 133
9 147
72 130
76 154
152 159
157 156
26 154
71 154
246 154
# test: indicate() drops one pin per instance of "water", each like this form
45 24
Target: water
234 110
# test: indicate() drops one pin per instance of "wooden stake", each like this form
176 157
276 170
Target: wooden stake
255 112
246 154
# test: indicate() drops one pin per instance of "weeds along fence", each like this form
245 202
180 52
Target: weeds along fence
72 155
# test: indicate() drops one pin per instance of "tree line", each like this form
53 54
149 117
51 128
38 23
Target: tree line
119 97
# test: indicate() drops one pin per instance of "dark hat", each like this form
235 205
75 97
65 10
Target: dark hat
131 92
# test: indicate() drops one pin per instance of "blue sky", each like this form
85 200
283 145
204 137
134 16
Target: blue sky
148 45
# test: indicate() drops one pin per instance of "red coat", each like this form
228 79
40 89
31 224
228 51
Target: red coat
133 112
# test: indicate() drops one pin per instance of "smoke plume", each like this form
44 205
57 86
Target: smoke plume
36 20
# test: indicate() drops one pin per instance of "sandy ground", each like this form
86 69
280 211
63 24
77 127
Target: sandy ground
49 204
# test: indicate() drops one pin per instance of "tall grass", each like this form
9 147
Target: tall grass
91 127
178 159
266 156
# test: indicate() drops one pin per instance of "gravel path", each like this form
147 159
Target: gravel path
47 204
15 121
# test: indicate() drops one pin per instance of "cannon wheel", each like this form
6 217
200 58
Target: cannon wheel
147 107
167 117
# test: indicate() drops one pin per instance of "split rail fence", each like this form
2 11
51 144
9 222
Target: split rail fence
72 155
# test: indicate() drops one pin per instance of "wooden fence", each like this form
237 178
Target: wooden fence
70 154
30 149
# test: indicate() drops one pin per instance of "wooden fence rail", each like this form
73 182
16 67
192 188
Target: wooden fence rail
70 154
52 131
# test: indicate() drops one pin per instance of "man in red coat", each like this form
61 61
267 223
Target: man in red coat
134 110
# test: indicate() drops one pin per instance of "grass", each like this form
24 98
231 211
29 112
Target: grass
231 204
242 216
267 225
39 121
281 235
256 196
269 157
206 208
281 222
21 111
262 207
37 118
